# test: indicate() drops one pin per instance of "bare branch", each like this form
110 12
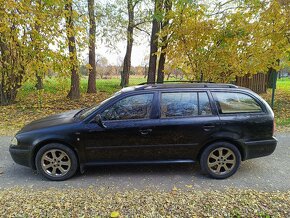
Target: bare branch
145 31
136 2
223 11
141 22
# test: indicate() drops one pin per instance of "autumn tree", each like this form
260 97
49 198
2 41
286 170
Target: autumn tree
158 43
92 48
42 36
127 58
25 43
163 41
133 23
154 42
236 40
74 92
101 65
11 61
123 20
36 27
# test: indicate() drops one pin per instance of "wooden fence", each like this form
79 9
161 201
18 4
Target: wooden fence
257 83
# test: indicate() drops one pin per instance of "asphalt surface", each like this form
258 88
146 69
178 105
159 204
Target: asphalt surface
269 173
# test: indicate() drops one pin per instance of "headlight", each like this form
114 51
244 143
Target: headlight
14 141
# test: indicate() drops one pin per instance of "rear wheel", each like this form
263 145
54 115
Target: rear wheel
56 162
220 160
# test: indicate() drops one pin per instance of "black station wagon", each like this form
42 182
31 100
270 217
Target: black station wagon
218 125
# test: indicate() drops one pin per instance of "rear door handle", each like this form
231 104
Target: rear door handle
208 127
92 130
145 131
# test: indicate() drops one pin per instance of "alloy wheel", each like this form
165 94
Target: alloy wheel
221 161
55 162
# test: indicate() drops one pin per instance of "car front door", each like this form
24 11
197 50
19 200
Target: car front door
128 131
187 119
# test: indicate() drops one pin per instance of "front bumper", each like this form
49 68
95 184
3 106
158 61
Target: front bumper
20 155
254 149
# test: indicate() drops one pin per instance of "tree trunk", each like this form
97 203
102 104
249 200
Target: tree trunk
9 85
154 45
160 72
7 96
39 82
271 74
11 77
127 60
92 48
74 92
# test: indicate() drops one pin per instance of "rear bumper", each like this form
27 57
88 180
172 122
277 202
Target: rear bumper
254 149
21 156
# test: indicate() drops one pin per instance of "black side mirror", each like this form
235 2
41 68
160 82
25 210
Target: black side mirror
99 121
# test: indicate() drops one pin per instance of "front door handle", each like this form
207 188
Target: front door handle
208 127
145 131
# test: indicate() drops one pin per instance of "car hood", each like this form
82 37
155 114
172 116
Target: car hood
53 120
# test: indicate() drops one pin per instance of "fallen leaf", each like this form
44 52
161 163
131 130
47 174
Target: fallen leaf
115 214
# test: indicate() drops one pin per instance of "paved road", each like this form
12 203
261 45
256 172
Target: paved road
267 173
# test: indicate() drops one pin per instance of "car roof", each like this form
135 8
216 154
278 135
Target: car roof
178 86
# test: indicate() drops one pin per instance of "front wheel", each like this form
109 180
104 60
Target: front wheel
56 162
220 160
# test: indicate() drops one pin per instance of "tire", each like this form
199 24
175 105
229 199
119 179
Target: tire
220 160
56 162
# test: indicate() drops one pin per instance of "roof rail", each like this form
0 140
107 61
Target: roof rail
176 81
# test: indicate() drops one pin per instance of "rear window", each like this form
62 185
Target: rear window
231 102
184 104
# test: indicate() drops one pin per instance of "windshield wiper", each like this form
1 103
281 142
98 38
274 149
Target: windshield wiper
79 112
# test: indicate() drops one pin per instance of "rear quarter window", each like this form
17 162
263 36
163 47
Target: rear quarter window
233 102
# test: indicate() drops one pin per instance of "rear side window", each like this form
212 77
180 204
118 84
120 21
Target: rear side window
231 102
204 105
184 104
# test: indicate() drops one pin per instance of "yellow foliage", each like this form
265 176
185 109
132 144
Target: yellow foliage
220 46
33 41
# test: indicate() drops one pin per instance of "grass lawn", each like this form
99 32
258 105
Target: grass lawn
32 104
56 85
281 104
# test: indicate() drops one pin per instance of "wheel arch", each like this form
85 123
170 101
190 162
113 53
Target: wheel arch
229 140
40 144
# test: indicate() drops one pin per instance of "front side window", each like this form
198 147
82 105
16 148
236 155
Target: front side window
88 111
184 104
231 102
133 107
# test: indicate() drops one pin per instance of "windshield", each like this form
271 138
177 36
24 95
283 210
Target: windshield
87 111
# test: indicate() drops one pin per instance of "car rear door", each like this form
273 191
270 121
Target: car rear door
187 120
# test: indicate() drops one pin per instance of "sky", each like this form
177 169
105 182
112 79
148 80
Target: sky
141 48
139 51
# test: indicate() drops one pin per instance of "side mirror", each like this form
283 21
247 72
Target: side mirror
99 121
